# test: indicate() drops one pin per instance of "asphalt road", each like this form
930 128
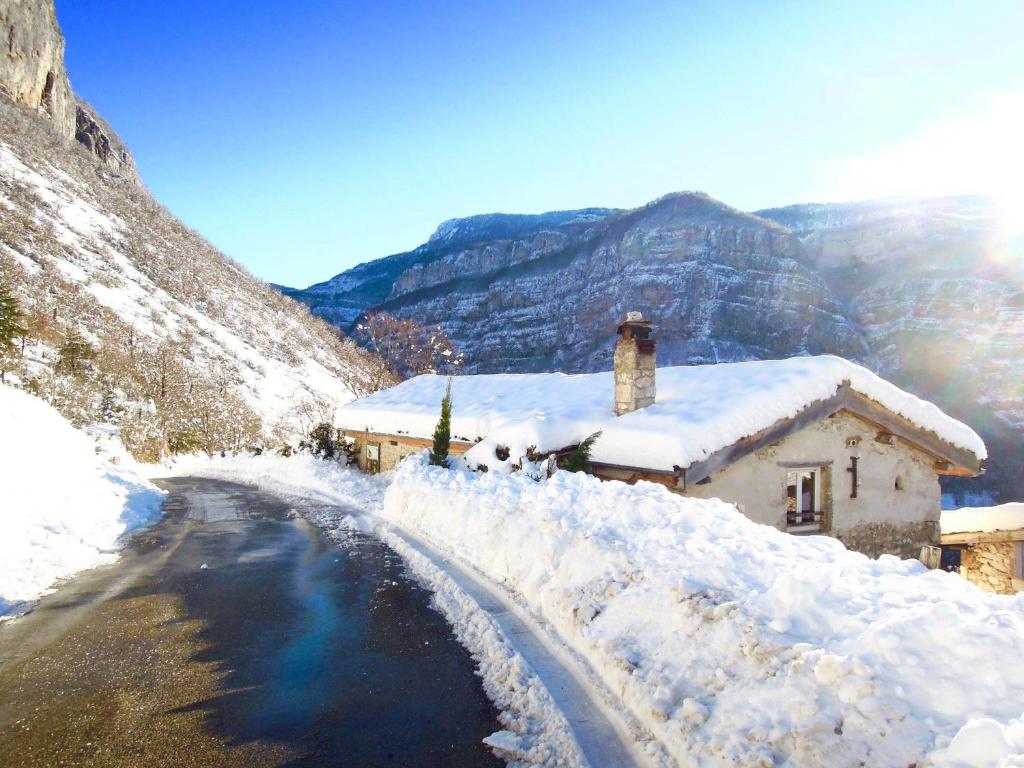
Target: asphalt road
232 633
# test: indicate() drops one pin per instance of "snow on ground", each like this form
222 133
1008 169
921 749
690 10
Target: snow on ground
700 409
733 643
1003 517
299 475
63 508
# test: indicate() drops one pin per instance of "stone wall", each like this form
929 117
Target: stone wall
394 449
634 375
874 539
991 566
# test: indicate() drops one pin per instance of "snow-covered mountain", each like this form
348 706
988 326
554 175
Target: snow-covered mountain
922 290
721 285
183 349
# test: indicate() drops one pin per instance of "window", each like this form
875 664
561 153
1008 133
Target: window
1018 560
803 499
899 482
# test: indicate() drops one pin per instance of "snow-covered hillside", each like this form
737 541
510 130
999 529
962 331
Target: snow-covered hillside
62 507
189 351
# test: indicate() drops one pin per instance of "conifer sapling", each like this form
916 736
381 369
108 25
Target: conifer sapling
10 327
581 456
443 431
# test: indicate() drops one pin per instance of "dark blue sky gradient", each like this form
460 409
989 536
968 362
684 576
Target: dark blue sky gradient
304 137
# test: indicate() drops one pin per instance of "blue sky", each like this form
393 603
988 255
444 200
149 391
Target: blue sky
302 138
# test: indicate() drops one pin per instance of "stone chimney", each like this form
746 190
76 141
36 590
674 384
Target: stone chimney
634 365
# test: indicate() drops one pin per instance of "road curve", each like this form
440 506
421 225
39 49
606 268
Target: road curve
233 633
603 736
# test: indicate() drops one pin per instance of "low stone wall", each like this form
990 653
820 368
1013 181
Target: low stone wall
874 539
990 566
394 449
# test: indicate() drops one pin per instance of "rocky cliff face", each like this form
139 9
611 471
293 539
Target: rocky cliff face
33 74
99 139
925 292
32 67
719 284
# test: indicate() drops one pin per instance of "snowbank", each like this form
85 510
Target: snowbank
1003 517
699 410
62 507
299 475
733 642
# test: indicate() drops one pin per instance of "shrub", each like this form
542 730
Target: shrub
323 442
580 458
443 431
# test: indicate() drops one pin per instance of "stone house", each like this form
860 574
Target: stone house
986 546
809 445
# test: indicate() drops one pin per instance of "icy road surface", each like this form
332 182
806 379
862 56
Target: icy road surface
233 633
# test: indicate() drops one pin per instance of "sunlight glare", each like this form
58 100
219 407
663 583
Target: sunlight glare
967 153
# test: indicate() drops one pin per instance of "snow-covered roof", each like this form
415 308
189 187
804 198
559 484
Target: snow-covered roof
698 411
1004 517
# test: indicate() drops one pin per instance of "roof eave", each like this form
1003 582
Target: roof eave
948 459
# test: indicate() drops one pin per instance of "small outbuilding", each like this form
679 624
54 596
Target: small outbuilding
986 546
810 445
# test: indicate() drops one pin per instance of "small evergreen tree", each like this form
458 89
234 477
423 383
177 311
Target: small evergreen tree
10 328
322 441
580 458
75 353
443 431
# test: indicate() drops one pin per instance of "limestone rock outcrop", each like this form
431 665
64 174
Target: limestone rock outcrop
93 132
32 66
33 74
718 283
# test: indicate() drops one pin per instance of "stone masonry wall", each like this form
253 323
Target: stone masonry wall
990 566
634 377
905 541
895 511
393 451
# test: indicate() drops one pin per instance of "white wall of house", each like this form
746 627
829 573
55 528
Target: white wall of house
881 519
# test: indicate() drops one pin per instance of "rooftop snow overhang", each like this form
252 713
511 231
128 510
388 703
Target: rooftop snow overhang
948 458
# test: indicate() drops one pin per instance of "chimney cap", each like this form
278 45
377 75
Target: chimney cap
634 326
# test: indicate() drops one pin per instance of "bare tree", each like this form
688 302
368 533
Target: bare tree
363 372
408 348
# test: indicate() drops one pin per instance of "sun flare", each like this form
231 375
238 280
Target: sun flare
976 152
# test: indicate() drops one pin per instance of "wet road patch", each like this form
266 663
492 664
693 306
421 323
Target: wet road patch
283 650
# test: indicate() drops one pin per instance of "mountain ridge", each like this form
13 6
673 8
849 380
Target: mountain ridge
903 285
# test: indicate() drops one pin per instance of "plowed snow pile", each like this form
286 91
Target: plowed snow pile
734 643
62 507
